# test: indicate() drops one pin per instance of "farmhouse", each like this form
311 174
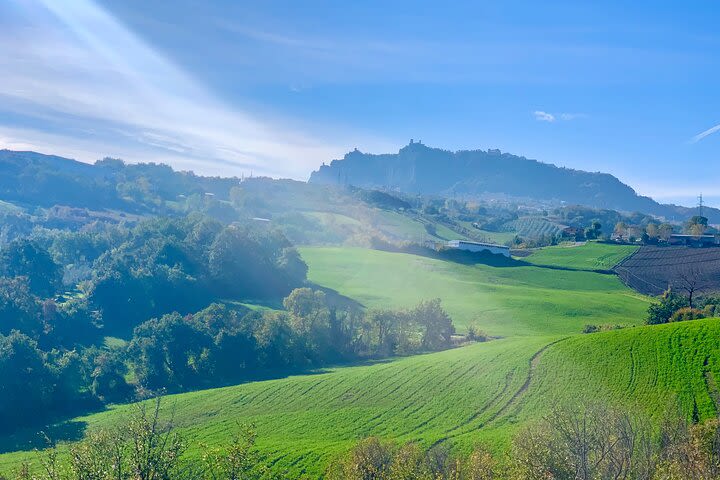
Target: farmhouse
478 247
694 240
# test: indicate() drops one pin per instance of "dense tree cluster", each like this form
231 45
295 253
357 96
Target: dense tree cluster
673 307
217 345
184 264
170 288
63 292
220 345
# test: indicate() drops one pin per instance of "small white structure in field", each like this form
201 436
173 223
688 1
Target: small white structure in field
479 247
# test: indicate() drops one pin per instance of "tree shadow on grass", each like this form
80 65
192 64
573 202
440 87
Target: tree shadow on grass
38 438
496 260
463 257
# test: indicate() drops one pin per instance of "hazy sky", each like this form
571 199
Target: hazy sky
230 87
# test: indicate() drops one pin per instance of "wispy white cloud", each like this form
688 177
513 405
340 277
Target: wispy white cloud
76 76
572 116
542 116
704 134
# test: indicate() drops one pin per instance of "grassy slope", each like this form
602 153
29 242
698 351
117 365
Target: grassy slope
488 236
469 394
649 368
591 256
394 225
302 421
466 395
504 301
399 226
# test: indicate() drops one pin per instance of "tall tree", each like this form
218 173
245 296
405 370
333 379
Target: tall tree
23 258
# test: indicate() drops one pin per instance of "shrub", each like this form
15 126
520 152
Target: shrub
475 334
661 312
687 313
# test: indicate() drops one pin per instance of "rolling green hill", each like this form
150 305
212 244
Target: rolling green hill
303 420
523 300
482 392
589 256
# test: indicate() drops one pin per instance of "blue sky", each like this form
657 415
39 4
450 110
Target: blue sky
230 87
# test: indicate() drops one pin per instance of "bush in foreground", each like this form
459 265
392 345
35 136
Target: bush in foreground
147 447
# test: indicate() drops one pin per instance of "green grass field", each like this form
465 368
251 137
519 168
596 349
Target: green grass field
461 396
524 300
590 256
479 393
302 421
402 227
488 236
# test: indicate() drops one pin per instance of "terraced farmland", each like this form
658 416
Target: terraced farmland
523 300
651 270
533 227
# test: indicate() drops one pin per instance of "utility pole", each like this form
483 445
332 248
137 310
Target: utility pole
700 205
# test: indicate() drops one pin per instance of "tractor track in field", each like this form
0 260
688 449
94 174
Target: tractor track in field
533 363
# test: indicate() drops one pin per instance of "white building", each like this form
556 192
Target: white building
479 247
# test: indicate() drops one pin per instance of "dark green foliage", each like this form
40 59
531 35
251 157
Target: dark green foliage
38 386
23 258
435 324
686 313
590 329
19 308
221 345
26 389
120 276
381 199
107 378
70 323
182 265
172 350
662 311
242 264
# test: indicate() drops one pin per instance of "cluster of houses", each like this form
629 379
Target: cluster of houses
696 241
679 239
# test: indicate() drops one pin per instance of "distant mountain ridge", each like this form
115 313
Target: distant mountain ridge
32 178
35 179
419 169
